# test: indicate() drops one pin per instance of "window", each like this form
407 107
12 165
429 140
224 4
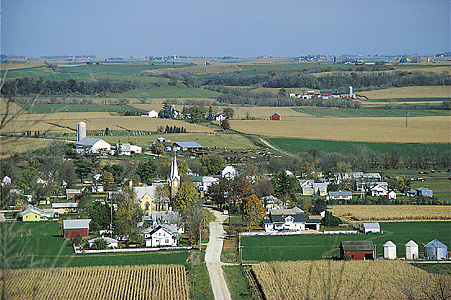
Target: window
166 241
147 205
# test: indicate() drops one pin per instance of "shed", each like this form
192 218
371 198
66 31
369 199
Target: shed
389 250
371 228
357 250
424 192
73 227
191 146
435 250
411 250
275 117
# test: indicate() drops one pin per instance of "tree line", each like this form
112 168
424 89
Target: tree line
30 86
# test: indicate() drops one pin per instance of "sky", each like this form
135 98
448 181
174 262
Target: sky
213 28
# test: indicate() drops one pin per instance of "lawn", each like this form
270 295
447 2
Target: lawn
299 145
237 283
40 245
308 247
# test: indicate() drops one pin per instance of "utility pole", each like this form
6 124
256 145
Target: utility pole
407 113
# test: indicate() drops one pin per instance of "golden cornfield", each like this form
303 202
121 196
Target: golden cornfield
423 130
106 282
346 280
392 213
409 92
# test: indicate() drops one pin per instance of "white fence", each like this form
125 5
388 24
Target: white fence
78 251
300 232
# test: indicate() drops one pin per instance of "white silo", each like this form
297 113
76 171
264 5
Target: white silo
350 91
411 250
81 131
389 250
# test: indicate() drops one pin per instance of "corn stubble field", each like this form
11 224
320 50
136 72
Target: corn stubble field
398 213
127 282
347 280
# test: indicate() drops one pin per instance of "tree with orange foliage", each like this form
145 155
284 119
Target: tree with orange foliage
253 210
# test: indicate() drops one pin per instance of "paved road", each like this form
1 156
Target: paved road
213 258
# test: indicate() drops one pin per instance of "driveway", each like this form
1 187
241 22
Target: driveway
213 258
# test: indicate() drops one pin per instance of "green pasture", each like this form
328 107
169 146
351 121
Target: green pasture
314 247
39 244
296 146
46 74
369 112
44 108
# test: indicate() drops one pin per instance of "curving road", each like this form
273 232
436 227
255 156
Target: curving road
213 258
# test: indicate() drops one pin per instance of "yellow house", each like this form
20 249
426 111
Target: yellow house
320 188
147 198
30 216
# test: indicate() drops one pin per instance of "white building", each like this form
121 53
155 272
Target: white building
389 250
151 114
229 172
411 250
160 236
128 149
207 181
92 145
371 228
392 195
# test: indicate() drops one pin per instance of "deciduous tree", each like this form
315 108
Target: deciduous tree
253 210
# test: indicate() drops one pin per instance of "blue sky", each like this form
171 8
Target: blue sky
241 28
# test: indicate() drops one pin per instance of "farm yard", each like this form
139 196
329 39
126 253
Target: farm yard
128 282
346 280
317 247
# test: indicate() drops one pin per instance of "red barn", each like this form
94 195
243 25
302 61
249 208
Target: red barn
275 116
73 227
357 250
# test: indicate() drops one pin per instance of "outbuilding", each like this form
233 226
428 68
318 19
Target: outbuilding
357 250
371 228
72 227
435 250
275 117
411 250
424 192
389 250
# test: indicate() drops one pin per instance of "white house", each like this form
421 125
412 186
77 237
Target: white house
379 189
389 250
160 236
111 243
151 114
169 219
289 220
339 195
128 149
411 250
207 181
229 172
92 145
392 195
220 117
371 228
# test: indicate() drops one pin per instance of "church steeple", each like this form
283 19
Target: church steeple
174 178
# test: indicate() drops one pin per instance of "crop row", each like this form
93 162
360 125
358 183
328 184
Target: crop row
106 282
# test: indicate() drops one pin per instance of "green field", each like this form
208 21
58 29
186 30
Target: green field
40 245
368 112
296 146
44 108
46 74
120 69
307 247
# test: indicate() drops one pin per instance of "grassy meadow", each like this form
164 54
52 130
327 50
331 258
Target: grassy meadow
314 247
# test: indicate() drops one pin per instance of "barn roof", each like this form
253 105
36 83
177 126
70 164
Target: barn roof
188 145
88 141
357 245
371 226
76 224
435 244
389 244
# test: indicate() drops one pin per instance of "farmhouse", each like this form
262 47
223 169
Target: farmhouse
151 114
207 181
112 243
229 172
219 117
435 250
92 145
32 213
160 236
289 220
339 195
275 117
188 146
379 189
72 227
128 149
411 250
371 228
389 250
357 250
167 218
424 192
65 207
